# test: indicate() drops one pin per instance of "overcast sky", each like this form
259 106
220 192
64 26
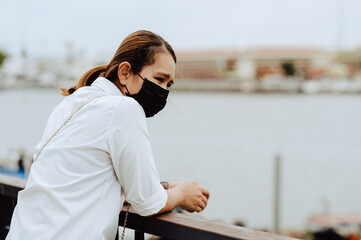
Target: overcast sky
45 26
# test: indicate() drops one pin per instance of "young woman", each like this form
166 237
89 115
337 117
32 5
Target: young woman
95 152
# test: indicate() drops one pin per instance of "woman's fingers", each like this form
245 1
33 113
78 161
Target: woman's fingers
205 200
202 204
205 192
199 209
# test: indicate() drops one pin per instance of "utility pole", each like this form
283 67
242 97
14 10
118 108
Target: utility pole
23 11
340 25
277 195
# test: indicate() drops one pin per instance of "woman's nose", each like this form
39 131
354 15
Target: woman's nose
164 85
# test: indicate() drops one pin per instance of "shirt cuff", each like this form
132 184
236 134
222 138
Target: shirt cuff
153 204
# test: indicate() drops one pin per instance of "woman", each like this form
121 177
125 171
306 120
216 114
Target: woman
101 155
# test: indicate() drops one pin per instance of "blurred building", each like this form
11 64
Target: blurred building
269 69
352 60
307 63
207 65
48 72
253 63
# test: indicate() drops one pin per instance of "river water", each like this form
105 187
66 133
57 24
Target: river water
227 142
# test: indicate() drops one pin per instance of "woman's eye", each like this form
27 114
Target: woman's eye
159 79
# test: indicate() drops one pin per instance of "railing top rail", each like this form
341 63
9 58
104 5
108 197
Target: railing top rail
182 226
171 225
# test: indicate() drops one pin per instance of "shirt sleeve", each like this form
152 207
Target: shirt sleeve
133 161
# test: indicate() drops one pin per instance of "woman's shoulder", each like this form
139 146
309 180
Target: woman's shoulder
119 101
117 106
128 107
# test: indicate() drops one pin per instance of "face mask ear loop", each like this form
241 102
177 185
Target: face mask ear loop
140 76
127 89
126 85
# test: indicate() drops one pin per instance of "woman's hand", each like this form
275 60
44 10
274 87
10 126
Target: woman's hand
195 197
189 196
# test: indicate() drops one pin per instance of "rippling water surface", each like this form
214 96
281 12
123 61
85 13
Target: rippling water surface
227 143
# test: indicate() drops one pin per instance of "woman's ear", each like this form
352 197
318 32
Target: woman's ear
124 72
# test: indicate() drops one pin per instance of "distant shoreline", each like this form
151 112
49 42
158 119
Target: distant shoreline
191 90
262 86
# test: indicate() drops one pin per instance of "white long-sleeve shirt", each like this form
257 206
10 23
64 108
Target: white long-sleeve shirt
102 156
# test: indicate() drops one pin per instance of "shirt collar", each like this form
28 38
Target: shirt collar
107 86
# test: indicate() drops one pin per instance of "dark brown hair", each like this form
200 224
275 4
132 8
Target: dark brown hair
139 49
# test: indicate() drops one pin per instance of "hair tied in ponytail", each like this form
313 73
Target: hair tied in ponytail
71 90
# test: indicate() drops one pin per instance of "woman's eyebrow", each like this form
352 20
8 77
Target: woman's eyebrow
165 75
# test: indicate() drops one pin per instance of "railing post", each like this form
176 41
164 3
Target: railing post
6 211
138 235
117 235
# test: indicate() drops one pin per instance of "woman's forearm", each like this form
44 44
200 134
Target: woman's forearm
175 198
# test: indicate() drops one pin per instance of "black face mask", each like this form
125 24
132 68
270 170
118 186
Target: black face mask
151 97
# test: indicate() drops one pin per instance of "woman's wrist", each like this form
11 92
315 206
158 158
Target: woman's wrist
169 185
172 184
165 185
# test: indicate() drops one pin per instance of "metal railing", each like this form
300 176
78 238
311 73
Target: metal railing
167 226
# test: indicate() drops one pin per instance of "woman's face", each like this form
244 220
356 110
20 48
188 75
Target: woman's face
161 72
